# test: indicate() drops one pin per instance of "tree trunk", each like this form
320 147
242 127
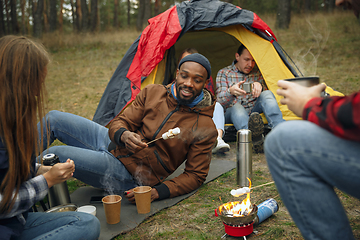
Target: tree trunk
74 17
128 12
23 25
116 18
2 20
157 7
45 15
140 16
33 7
147 12
78 15
85 16
94 15
244 2
28 16
8 22
52 16
307 6
331 5
61 16
14 23
284 14
37 12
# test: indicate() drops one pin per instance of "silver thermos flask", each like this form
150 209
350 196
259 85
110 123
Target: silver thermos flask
59 193
244 157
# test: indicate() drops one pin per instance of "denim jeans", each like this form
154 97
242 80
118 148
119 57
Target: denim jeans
61 225
87 145
266 103
306 163
218 117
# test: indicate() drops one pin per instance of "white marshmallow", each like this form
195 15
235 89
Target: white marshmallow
176 131
171 133
240 191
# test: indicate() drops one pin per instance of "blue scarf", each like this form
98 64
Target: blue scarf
196 100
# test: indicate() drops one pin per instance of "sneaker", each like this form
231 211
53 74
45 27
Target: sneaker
256 126
221 146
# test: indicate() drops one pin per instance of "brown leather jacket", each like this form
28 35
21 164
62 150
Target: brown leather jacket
154 112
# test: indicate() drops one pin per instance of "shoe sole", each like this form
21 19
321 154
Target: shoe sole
258 147
256 125
221 150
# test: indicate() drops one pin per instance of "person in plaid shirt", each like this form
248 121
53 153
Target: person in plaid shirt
309 158
241 108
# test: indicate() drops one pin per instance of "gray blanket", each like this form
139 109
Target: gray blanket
129 218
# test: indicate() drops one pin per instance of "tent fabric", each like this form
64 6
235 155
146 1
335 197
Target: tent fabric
215 29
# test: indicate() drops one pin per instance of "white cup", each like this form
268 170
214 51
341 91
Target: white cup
87 209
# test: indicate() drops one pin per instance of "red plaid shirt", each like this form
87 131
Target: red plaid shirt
339 115
229 76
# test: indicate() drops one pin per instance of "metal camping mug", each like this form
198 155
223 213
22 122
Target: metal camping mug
247 87
244 157
308 82
59 193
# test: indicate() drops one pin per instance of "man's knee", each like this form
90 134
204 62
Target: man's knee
279 134
267 94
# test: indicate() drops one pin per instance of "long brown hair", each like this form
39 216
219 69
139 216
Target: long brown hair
23 68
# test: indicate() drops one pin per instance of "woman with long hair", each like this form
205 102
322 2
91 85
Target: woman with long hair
23 182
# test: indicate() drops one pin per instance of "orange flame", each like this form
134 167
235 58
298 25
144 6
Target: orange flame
237 208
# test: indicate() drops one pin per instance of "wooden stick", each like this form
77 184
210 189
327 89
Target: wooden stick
254 188
154 140
262 185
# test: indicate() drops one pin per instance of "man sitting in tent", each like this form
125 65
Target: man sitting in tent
239 104
120 156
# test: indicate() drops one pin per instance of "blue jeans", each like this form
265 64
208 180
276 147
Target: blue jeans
266 103
61 225
218 117
87 144
306 163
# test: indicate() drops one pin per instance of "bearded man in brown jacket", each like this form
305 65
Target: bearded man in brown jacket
120 155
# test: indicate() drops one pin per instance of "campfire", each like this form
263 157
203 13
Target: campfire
237 209
238 217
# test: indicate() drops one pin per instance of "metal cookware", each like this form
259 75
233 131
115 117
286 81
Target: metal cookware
63 208
305 81
236 220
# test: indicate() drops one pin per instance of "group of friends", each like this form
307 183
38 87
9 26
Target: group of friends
238 107
321 153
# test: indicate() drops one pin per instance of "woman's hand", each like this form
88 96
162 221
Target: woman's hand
60 172
43 169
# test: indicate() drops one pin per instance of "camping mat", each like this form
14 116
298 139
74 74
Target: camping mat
129 218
